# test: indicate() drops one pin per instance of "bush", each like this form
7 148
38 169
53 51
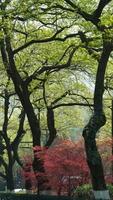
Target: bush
11 196
83 192
110 188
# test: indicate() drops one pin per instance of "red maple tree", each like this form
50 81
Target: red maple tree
66 166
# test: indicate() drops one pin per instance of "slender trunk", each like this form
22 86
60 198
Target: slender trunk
95 123
112 141
28 182
38 168
43 183
51 126
9 167
10 178
69 186
59 190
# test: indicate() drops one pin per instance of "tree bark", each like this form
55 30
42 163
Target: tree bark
112 139
95 123
21 88
44 183
51 126
93 157
22 91
9 166
10 178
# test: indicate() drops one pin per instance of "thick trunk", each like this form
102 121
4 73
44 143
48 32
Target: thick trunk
93 157
95 123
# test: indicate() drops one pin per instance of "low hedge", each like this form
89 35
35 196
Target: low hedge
81 193
85 192
13 196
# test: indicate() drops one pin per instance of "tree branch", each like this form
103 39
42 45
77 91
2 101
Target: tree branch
99 85
18 138
27 44
72 104
102 3
50 68
94 17
59 98
20 131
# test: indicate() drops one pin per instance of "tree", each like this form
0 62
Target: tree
10 61
98 119
65 167
86 38
9 147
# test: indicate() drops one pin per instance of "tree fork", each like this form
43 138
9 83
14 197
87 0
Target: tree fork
22 91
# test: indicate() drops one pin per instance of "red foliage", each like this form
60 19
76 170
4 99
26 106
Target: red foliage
105 148
28 174
66 166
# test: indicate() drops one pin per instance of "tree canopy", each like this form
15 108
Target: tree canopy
56 56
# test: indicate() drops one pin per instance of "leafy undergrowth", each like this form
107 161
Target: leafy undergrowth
85 192
13 196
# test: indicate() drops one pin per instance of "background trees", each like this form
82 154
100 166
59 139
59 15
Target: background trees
56 55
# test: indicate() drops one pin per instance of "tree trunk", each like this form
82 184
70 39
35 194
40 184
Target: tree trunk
112 139
42 180
95 123
51 126
9 166
32 119
43 184
93 157
10 178
28 182
22 91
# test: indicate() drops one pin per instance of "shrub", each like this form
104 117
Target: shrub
83 192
